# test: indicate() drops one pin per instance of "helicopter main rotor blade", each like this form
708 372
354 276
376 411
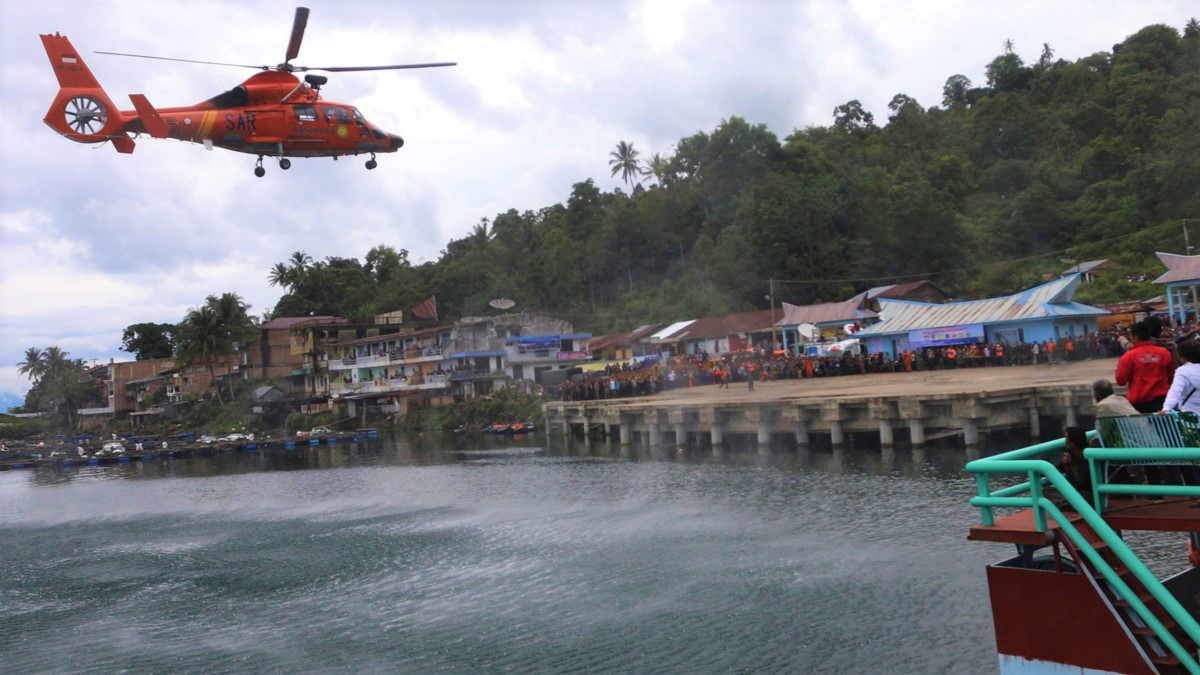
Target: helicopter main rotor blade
298 24
167 58
351 69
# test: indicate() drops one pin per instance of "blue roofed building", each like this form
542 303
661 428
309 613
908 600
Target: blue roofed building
1181 279
1039 314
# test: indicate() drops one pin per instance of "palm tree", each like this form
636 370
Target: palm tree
56 361
657 166
300 261
233 315
34 365
281 275
203 339
301 264
60 388
624 161
1047 55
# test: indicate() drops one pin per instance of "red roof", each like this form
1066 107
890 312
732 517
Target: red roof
761 321
899 291
602 341
397 335
289 322
846 311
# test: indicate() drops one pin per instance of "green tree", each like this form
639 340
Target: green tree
148 340
954 92
1007 72
852 118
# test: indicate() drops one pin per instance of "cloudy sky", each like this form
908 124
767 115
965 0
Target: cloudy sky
93 241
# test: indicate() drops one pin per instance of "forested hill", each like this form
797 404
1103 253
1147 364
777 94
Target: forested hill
982 192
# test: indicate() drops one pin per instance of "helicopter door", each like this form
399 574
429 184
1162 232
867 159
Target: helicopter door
335 115
338 120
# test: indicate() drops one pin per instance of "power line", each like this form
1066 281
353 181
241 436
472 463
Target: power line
926 275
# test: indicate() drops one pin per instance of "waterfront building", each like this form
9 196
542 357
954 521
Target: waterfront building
1040 314
624 346
489 352
291 352
388 372
139 389
1181 279
718 334
801 324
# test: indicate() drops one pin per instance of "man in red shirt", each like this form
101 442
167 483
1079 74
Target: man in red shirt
1147 370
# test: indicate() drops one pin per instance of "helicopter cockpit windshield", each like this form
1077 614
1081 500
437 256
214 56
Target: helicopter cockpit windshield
358 118
234 98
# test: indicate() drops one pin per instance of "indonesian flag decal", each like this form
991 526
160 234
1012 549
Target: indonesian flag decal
427 309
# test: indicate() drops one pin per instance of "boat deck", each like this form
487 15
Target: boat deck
1124 513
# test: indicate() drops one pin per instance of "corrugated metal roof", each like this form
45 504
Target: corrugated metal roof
846 311
1180 268
1054 299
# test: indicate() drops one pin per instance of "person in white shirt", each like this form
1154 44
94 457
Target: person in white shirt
1183 395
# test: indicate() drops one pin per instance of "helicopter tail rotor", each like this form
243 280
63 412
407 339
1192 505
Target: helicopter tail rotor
81 110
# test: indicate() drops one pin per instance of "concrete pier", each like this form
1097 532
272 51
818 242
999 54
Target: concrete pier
916 432
967 403
886 439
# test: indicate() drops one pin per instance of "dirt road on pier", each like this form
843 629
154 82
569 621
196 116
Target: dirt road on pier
933 382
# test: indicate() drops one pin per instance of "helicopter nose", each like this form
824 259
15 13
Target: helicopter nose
397 142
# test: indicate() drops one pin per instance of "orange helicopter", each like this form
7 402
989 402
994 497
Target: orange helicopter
272 114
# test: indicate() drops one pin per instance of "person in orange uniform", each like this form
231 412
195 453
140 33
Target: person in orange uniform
1147 370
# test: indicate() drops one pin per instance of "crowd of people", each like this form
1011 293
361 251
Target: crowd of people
655 375
1160 369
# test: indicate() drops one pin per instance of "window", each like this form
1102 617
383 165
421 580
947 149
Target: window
358 118
306 113
334 114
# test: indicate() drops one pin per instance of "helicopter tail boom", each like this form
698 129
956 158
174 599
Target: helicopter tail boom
81 110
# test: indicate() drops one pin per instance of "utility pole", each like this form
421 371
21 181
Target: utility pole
771 291
1187 239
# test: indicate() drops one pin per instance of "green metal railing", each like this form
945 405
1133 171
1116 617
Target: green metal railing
1028 462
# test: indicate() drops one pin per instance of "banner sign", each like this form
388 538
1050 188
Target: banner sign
536 343
571 356
949 335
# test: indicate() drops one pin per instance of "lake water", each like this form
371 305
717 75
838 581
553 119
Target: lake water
482 555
